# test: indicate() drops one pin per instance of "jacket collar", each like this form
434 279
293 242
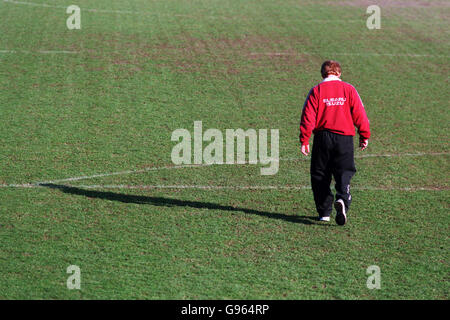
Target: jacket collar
331 77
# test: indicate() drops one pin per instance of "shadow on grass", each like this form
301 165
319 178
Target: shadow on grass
169 202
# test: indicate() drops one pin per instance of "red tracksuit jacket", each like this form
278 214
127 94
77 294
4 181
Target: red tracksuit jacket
333 105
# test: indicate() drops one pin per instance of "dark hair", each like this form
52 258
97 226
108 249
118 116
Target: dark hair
330 67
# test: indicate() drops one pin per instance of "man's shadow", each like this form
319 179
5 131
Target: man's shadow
169 202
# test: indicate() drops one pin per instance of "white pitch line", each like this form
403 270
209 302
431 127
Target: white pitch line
101 175
24 185
109 11
415 55
278 54
392 155
369 54
35 4
57 51
212 187
333 21
203 187
148 169
159 14
39 51
419 154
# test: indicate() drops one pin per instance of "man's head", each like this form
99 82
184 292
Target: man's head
330 67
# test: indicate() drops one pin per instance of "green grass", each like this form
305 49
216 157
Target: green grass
136 77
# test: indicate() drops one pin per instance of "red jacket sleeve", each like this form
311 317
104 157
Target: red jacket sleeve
308 119
359 115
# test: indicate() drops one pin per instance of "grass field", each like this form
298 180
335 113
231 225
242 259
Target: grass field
86 118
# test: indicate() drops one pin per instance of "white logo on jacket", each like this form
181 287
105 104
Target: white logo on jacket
334 101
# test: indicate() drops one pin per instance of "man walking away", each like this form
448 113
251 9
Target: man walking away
331 111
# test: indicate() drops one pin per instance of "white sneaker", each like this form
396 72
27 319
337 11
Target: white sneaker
341 216
324 219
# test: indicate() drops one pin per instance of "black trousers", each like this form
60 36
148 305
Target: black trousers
332 155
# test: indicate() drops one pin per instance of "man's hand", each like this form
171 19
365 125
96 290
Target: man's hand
363 143
305 149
